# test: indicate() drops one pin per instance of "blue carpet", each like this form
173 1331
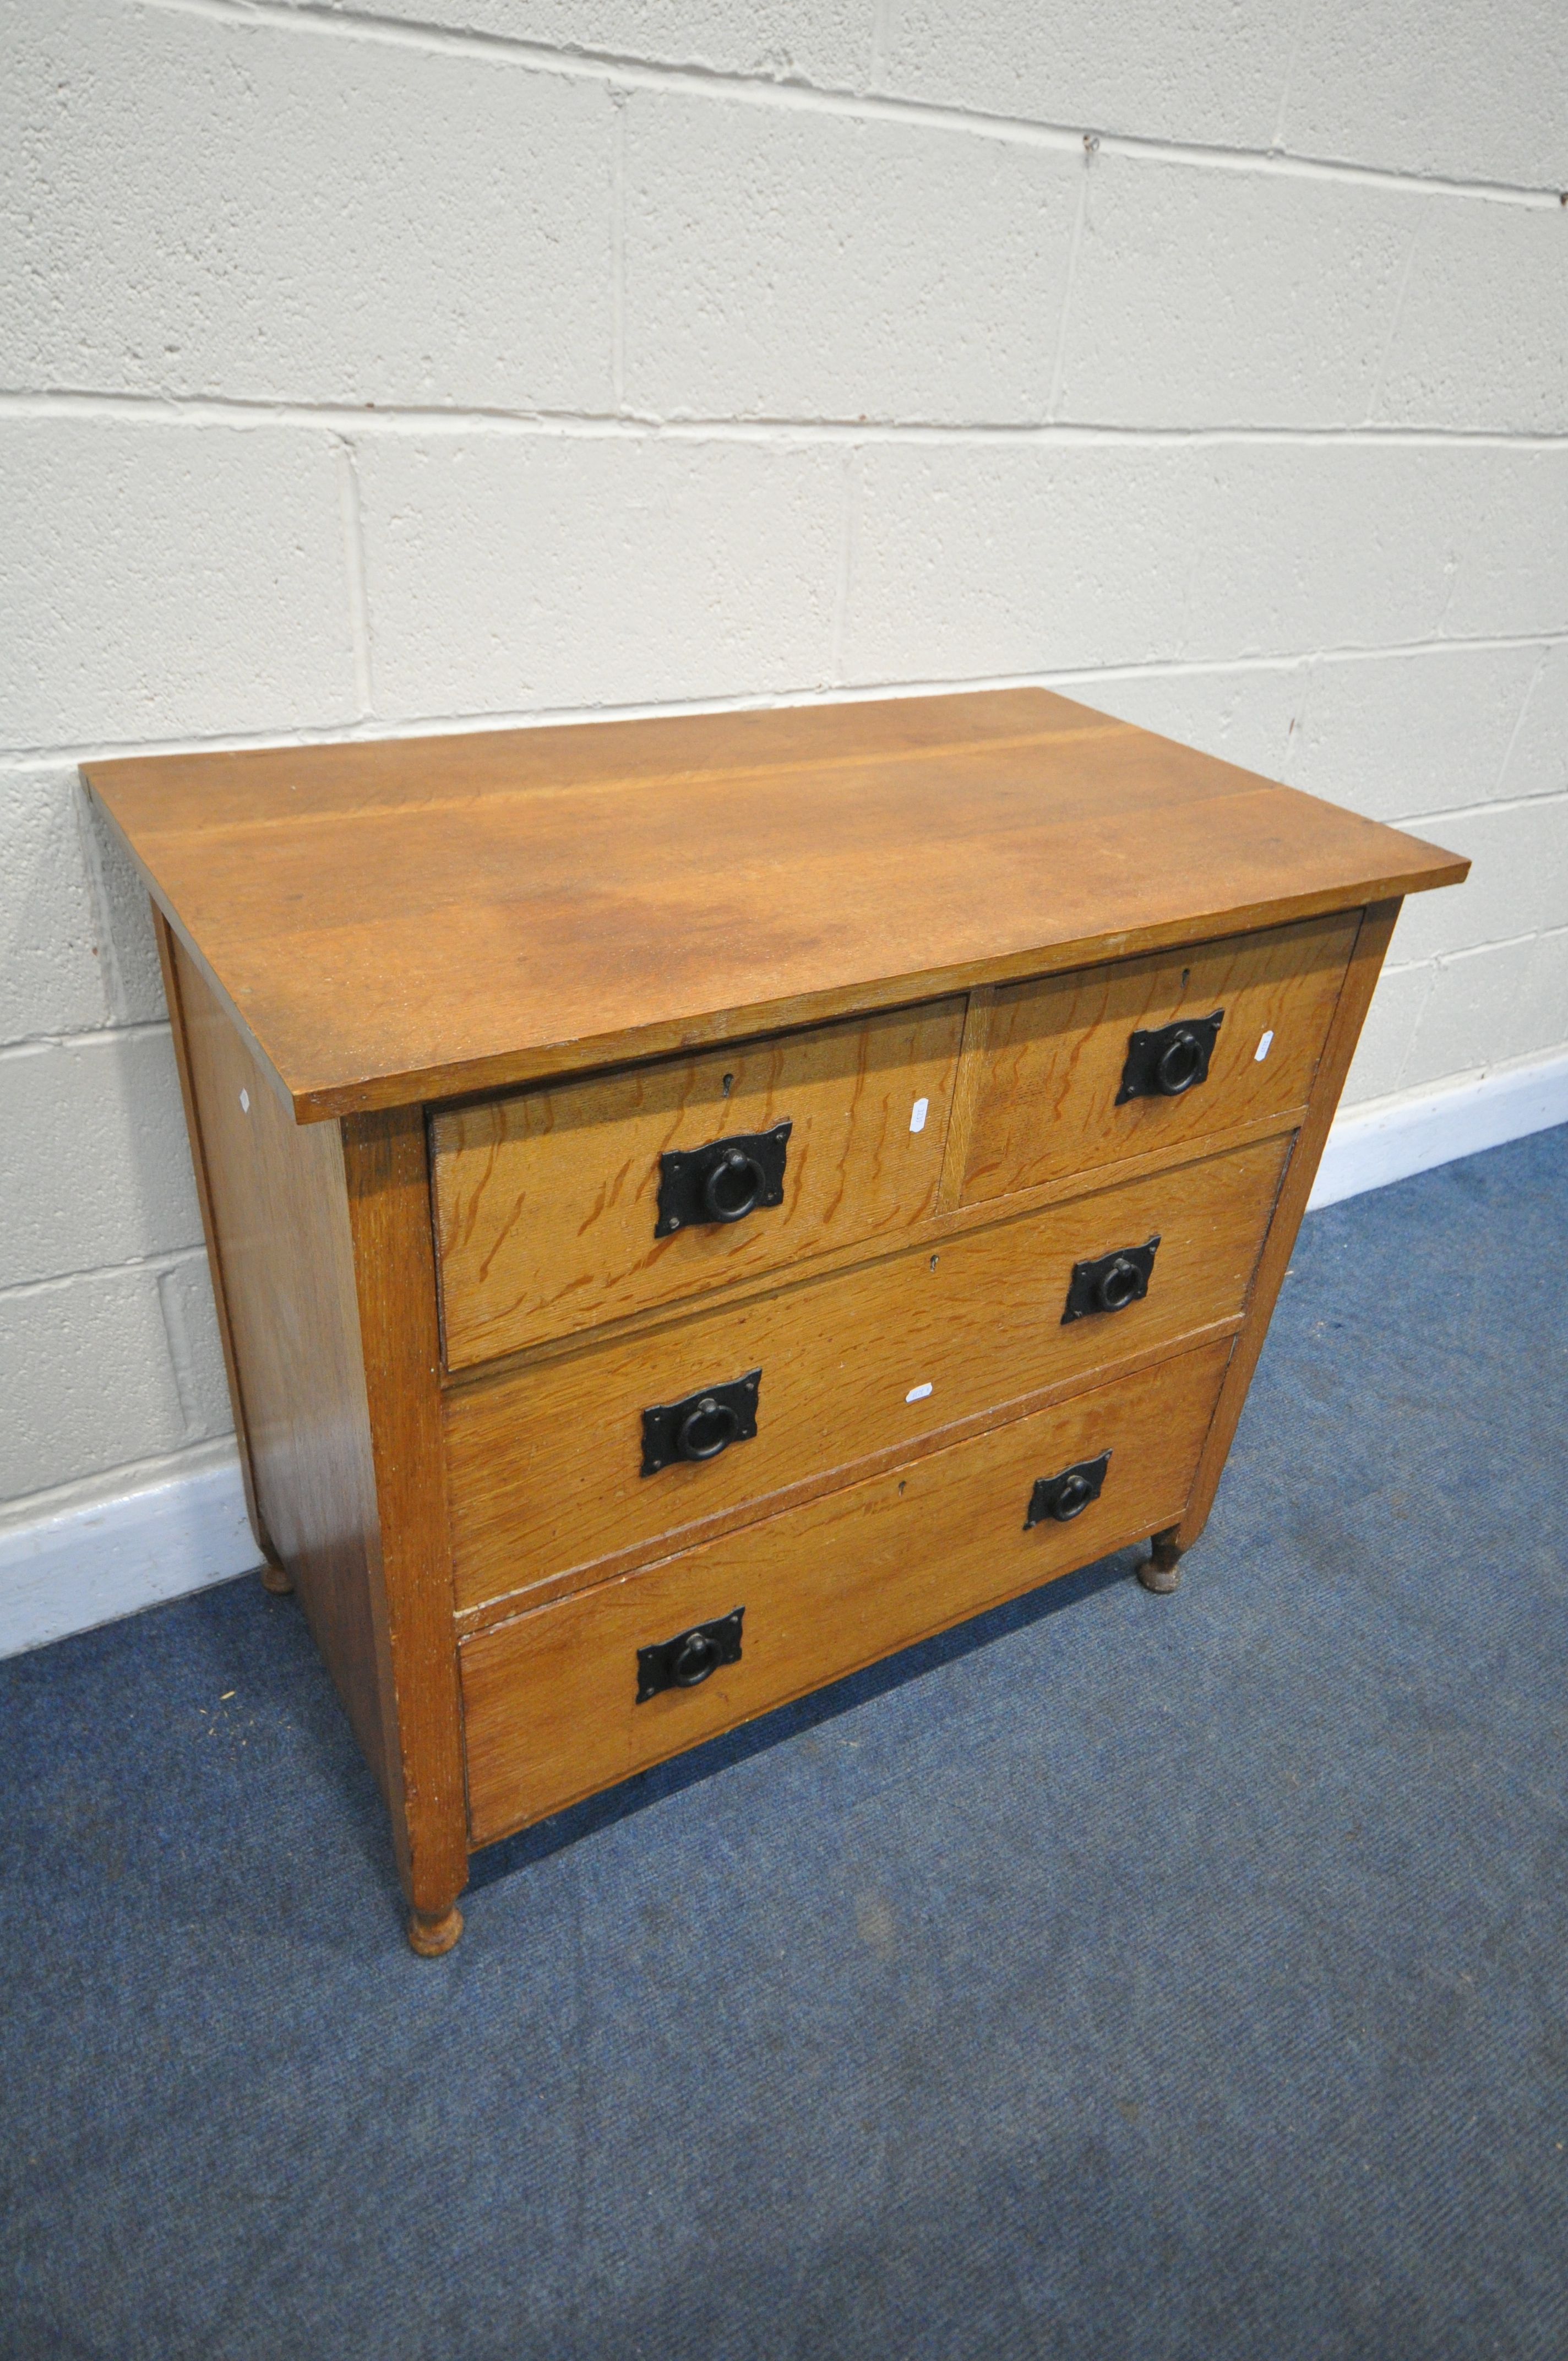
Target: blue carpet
1119 1977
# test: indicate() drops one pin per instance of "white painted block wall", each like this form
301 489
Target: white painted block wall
449 362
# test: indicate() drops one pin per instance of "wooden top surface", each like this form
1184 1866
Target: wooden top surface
425 916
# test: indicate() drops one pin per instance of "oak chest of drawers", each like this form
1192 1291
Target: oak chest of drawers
696 1205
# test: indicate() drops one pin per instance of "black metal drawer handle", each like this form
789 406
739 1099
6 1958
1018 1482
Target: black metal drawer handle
1173 1058
724 1181
701 1425
707 1429
1111 1283
733 1186
685 1661
1062 1498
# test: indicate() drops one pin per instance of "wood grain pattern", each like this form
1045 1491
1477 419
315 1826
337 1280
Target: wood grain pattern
386 1172
547 1202
544 1464
1056 1050
1356 998
279 1225
398 922
932 1234
1116 1367
549 1699
973 1076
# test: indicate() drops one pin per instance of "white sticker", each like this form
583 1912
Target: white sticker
1263 1049
917 1393
917 1114
245 1102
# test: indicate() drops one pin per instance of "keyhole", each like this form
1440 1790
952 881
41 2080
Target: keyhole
1185 973
729 1084
934 1261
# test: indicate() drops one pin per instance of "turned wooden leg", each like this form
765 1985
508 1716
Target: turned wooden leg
1161 1570
430 1932
276 1578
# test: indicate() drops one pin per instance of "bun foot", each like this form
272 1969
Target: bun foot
430 1932
276 1578
1161 1570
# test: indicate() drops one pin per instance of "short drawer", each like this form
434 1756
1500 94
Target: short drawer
550 1699
548 1201
1056 1053
545 1463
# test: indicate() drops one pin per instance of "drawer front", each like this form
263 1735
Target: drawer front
544 1464
1057 1051
547 1202
550 1699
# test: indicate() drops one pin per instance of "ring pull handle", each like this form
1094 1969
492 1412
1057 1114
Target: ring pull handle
701 1424
1062 1498
1171 1060
1072 1498
733 1186
685 1661
1110 1282
708 1427
1119 1284
697 1657
722 1181
1179 1063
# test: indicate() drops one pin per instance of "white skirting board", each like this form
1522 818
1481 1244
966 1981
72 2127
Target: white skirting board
92 1564
84 1566
1389 1139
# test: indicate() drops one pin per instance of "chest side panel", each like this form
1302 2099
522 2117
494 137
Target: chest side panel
285 1262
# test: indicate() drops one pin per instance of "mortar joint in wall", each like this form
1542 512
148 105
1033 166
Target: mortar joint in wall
618 99
775 80
90 1036
157 1267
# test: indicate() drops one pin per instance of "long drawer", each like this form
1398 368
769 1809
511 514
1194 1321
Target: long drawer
550 1699
550 1202
1078 1071
546 1463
